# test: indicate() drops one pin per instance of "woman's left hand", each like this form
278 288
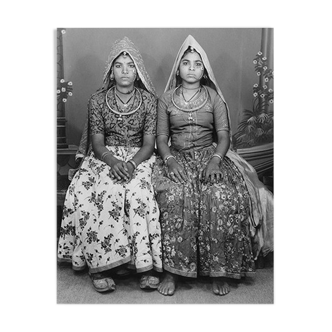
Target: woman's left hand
212 172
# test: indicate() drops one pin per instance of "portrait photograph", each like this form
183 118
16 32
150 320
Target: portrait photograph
165 165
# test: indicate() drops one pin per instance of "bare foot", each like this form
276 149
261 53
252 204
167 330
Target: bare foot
220 286
168 285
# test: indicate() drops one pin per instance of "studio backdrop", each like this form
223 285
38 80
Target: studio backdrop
82 54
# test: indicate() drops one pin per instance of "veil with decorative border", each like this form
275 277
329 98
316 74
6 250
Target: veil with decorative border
211 80
144 82
261 198
126 45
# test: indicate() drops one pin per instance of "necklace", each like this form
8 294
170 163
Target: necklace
192 97
195 105
125 104
120 114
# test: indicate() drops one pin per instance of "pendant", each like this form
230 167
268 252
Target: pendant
190 118
120 117
125 105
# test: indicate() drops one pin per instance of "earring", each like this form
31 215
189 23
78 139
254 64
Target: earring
205 76
177 73
112 76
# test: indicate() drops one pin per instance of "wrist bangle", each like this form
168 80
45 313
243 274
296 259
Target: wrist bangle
104 155
168 157
218 156
133 163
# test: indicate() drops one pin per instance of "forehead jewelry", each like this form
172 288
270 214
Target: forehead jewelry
192 50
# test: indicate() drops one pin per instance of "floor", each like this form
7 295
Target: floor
76 288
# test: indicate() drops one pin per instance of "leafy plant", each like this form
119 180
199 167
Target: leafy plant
256 127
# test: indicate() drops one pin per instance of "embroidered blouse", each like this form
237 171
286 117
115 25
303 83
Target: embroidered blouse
129 130
191 129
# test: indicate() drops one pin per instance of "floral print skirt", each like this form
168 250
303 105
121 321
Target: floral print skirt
205 227
105 224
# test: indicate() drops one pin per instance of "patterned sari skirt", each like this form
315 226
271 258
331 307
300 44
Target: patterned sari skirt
106 225
205 226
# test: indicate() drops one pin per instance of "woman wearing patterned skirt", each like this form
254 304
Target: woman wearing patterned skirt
202 191
110 216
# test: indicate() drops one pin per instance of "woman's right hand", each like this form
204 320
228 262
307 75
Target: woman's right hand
176 172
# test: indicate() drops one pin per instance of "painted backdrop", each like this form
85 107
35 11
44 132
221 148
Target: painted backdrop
230 50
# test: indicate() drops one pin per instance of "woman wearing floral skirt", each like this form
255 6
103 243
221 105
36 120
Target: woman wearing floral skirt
110 216
203 189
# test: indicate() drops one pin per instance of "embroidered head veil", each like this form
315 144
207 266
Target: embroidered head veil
210 80
144 82
126 45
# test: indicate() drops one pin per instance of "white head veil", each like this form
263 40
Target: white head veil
191 42
261 199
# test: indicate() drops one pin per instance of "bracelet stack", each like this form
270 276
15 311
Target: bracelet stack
132 161
106 153
218 156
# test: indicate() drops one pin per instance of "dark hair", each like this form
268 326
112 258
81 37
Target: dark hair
137 83
204 81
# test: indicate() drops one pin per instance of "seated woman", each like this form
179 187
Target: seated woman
110 216
204 194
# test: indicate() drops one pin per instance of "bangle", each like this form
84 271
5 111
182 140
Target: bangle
104 155
218 156
132 161
168 157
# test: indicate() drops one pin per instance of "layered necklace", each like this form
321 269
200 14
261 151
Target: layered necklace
125 104
191 105
192 97
122 111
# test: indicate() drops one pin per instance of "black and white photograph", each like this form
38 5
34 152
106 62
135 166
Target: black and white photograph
165 165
